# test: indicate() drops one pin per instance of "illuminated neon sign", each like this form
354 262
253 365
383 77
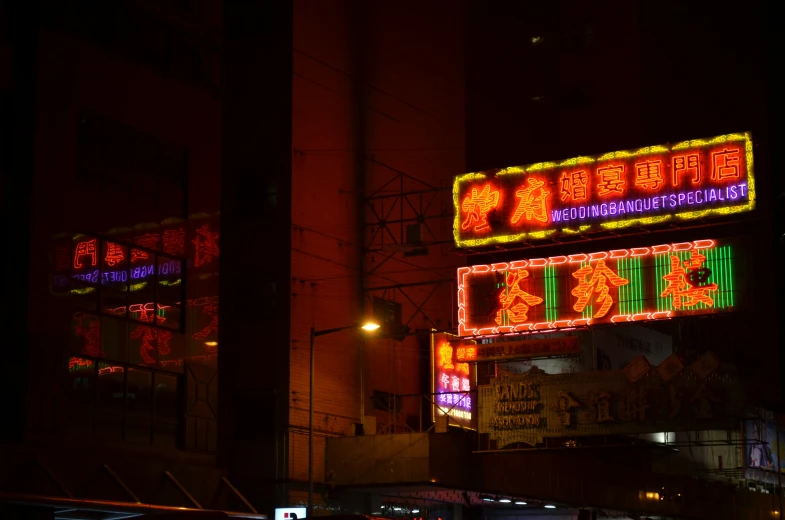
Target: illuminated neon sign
690 180
580 290
453 382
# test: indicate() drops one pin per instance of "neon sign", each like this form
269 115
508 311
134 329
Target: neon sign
453 382
580 290
690 180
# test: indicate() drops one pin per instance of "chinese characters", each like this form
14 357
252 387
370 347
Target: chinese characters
594 281
688 282
688 180
477 205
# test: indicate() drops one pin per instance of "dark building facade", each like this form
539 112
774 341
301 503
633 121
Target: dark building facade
191 188
190 182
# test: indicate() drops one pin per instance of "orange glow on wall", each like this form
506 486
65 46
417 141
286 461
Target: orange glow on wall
656 184
662 281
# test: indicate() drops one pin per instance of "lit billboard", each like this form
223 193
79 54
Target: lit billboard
690 180
764 447
453 380
621 285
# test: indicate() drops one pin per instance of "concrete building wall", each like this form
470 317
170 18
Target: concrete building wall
377 91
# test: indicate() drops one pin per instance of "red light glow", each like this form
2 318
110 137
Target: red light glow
533 203
476 207
668 183
84 249
623 285
206 245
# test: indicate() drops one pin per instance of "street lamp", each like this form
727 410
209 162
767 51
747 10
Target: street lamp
368 326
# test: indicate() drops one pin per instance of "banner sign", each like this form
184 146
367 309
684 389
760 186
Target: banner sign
453 382
529 407
472 351
622 285
686 181
764 446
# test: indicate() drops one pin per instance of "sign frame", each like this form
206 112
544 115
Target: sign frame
486 199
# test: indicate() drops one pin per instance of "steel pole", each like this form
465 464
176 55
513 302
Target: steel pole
310 430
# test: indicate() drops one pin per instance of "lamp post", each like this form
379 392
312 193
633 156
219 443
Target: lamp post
370 326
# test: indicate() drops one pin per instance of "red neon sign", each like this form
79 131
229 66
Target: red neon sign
689 180
622 285
453 381
206 245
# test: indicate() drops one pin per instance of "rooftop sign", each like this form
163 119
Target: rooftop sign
689 180
580 290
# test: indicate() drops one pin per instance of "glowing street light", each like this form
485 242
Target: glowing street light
368 326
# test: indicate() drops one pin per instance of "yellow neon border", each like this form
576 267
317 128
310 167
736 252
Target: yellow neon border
688 215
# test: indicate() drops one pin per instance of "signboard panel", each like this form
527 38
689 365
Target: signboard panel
472 351
764 447
529 407
690 180
453 382
623 285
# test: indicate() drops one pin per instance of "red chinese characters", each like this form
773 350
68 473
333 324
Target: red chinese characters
593 280
206 245
687 282
515 302
445 356
212 311
174 242
89 327
114 253
649 175
725 164
686 165
150 241
476 207
574 186
532 205
611 180
85 249
152 339
62 258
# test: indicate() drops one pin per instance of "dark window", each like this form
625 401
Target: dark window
118 401
135 173
135 34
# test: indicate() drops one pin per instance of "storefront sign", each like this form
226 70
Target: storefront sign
764 446
690 180
622 285
453 382
472 351
529 407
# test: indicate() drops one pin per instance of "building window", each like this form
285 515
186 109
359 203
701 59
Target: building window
136 175
118 401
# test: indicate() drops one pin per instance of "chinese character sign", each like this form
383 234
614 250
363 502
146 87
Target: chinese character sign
453 380
690 180
579 290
